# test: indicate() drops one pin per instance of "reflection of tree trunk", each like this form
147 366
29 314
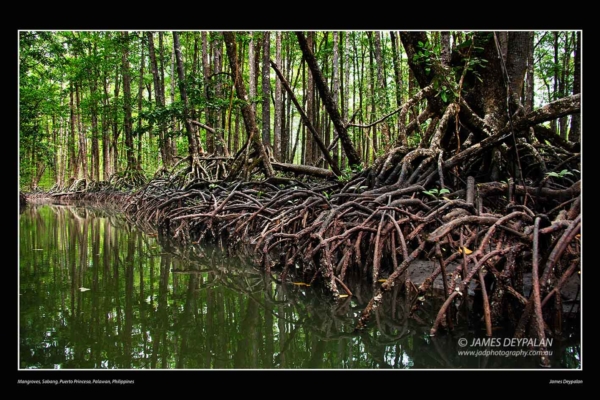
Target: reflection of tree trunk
244 351
283 335
95 324
129 271
163 318
317 349
269 332
185 320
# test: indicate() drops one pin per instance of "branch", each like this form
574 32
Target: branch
303 169
329 101
306 121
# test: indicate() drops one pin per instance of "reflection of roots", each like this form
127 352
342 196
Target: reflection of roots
325 234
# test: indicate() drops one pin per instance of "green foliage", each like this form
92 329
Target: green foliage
560 174
436 193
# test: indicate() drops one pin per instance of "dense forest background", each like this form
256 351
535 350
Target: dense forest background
96 104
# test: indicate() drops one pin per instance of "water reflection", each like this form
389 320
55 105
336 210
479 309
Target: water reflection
96 292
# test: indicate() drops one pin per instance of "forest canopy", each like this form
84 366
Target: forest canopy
93 104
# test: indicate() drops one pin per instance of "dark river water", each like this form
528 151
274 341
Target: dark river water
96 292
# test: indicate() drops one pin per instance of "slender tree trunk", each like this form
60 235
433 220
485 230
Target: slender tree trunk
346 96
554 123
382 89
140 98
93 83
252 71
128 119
278 102
210 138
73 164
174 123
562 88
218 123
193 147
575 131
248 114
170 143
82 136
310 104
336 87
114 150
160 101
374 96
266 90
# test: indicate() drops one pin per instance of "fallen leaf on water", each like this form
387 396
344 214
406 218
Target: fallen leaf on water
381 280
465 250
341 296
84 289
300 284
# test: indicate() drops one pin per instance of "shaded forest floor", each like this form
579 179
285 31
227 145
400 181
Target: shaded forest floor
503 253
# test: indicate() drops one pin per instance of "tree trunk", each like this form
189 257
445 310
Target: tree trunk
193 147
252 71
266 90
529 89
248 114
310 106
73 164
381 97
575 131
140 99
170 143
336 87
330 103
210 139
278 102
82 136
160 101
115 124
93 83
218 123
128 120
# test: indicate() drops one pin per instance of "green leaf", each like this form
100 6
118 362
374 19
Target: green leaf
442 191
464 44
444 97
